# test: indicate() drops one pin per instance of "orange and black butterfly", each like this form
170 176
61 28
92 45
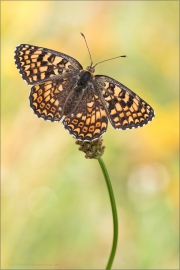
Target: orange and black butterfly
63 90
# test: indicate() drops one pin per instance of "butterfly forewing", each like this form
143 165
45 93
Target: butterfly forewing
37 64
124 108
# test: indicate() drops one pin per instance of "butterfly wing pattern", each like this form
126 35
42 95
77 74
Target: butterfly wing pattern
37 64
124 108
62 90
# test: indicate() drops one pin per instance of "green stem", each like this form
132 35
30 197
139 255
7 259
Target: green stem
114 213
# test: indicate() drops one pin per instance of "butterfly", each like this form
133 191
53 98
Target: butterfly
63 90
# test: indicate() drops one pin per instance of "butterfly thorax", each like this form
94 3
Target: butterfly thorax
84 78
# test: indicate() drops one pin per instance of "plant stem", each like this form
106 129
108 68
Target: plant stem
114 213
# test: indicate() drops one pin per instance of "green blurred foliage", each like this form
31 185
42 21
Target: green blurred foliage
55 208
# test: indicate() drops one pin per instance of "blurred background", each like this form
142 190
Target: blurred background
56 211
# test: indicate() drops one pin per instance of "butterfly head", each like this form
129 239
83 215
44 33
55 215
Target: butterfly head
90 69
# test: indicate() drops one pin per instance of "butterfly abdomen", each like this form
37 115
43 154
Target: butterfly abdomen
73 99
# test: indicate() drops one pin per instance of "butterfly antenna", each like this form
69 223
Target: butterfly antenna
87 47
109 59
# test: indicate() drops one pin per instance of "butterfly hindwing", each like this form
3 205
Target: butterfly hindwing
88 121
48 99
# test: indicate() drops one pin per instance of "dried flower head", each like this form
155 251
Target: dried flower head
94 149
